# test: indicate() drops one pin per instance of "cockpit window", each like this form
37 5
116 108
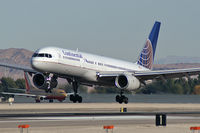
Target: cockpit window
35 55
42 55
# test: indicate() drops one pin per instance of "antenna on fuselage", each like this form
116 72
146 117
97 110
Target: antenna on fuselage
76 49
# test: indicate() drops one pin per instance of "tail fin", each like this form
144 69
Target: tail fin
146 57
27 82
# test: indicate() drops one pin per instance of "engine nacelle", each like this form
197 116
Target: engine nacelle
128 82
41 82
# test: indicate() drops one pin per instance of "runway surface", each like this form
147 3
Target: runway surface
23 108
142 124
90 124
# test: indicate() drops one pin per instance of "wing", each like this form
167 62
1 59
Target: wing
149 75
22 94
165 74
23 68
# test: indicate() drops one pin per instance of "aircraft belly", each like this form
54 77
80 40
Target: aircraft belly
70 70
90 75
79 72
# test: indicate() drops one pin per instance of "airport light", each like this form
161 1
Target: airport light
109 127
194 129
21 127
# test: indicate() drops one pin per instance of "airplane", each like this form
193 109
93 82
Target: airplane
39 95
79 68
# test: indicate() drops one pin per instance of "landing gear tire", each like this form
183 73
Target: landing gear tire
121 99
80 99
117 98
37 101
71 97
75 98
51 101
126 100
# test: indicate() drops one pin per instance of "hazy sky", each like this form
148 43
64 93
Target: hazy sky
115 28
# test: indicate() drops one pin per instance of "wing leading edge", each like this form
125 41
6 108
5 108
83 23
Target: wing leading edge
22 94
23 68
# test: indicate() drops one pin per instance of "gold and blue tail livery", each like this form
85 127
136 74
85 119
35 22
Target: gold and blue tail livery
146 57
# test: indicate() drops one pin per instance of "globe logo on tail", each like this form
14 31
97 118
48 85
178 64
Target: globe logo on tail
146 56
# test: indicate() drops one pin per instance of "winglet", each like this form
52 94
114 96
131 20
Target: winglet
146 57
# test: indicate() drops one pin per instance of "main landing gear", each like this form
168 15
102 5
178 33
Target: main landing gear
75 98
121 98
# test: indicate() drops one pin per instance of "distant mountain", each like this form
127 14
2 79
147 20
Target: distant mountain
14 56
23 56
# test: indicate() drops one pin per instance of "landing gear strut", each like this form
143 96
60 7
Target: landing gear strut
51 83
121 98
48 89
75 98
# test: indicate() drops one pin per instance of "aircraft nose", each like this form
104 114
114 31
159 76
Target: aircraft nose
33 63
65 94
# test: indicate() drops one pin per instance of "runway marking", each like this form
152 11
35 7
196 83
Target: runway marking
92 118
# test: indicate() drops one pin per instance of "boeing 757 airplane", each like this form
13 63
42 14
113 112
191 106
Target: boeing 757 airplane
80 68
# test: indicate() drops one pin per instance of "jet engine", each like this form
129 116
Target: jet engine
41 82
128 82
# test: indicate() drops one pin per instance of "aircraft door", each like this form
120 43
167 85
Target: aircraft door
82 62
59 57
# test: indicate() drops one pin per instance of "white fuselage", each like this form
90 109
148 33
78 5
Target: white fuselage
78 64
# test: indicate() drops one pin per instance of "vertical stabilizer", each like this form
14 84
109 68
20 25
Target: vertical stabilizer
27 82
146 57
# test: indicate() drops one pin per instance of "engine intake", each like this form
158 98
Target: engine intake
39 81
